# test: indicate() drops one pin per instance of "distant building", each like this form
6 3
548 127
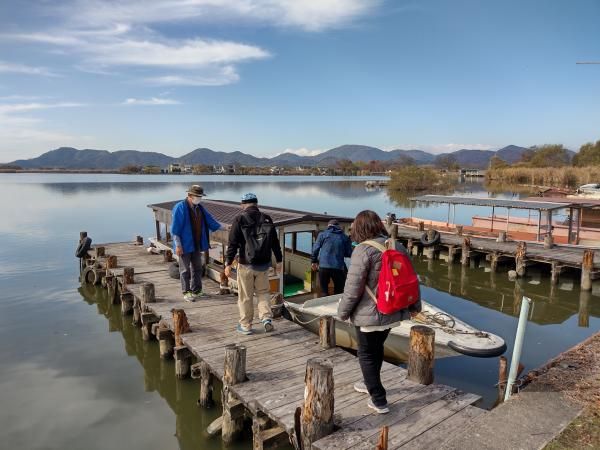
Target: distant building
187 168
175 168
225 169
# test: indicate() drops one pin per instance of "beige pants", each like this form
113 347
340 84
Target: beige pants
252 282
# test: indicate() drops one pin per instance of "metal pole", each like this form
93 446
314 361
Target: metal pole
539 224
493 209
507 219
570 225
516 356
448 221
454 213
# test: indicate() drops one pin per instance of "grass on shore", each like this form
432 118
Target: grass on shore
563 177
413 179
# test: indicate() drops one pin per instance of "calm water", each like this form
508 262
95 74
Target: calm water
75 375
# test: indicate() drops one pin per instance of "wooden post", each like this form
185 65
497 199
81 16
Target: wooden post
149 320
206 386
111 288
459 230
494 262
168 256
147 294
555 272
587 265
183 361
584 310
548 241
430 251
409 246
128 275
421 226
316 417
421 354
234 372
451 254
466 251
137 312
382 444
166 342
111 262
393 235
327 332
501 236
180 325
126 303
570 230
139 240
100 251
266 435
520 259
502 379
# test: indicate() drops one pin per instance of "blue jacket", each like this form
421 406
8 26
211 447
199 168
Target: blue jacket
181 226
331 248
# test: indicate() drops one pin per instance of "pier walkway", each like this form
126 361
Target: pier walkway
275 363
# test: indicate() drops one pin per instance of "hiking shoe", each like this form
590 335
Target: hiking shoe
359 386
199 294
188 296
243 330
378 409
268 325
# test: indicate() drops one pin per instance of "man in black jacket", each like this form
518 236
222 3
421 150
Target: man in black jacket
253 234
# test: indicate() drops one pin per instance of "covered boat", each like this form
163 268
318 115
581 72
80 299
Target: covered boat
452 336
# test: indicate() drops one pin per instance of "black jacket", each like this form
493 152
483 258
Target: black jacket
237 241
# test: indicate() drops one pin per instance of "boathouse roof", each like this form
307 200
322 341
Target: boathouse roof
224 211
491 202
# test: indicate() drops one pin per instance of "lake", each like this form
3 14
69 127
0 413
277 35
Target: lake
75 375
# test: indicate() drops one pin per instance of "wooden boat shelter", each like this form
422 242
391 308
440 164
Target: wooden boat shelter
297 230
546 208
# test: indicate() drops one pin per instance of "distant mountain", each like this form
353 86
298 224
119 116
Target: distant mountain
71 158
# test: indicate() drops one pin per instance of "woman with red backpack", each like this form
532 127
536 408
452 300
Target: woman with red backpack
381 290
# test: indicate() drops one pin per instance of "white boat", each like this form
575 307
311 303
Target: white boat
589 190
452 336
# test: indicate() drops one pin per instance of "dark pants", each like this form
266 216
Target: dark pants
338 276
191 277
370 358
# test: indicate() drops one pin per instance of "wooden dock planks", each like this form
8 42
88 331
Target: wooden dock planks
276 362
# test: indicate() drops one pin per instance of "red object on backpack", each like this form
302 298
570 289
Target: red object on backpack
398 284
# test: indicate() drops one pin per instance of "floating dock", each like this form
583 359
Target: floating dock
292 385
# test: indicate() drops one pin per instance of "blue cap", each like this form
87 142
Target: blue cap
249 198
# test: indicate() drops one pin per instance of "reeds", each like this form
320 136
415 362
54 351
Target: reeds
413 178
560 177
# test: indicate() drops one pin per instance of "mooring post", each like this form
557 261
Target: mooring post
147 294
502 378
587 264
137 312
182 354
431 250
409 246
548 241
421 354
421 226
111 263
555 272
168 256
99 251
316 416
139 240
327 332
494 261
393 235
234 372
128 275
180 325
382 444
501 236
459 230
166 341
206 385
126 303
183 361
451 254
465 252
520 262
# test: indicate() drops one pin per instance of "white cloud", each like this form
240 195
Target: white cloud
150 101
7 67
213 77
302 151
8 108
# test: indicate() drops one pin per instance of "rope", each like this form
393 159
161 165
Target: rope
295 316
448 325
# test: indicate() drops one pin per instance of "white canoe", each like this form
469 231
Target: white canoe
452 336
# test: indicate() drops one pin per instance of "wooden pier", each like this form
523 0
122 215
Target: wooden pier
292 385
520 254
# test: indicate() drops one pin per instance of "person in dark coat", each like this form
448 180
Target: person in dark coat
357 306
328 253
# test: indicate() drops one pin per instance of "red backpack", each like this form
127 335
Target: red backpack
398 284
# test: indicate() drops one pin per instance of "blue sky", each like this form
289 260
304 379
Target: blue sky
268 76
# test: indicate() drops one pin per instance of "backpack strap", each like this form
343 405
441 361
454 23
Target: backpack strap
382 248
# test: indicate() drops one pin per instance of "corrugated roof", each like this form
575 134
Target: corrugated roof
225 211
496 202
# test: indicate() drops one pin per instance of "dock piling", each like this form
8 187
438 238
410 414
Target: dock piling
316 417
382 444
126 303
234 372
327 332
183 361
421 354
128 275
466 251
166 341
520 262
206 384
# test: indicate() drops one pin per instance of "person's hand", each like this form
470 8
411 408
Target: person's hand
314 266
278 268
178 250
228 271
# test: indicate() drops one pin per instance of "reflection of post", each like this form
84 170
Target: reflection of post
493 279
586 270
584 312
518 297
466 251
464 280
520 258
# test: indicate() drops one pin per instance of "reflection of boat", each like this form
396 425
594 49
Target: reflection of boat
592 189
452 336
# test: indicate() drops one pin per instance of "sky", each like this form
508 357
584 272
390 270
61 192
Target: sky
269 76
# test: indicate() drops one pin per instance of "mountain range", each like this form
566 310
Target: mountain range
71 158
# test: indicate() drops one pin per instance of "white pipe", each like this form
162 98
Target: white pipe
516 356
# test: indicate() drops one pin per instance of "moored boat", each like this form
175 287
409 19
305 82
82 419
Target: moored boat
452 336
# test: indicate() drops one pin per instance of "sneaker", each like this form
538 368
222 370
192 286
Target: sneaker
199 294
243 330
378 409
188 296
268 325
359 386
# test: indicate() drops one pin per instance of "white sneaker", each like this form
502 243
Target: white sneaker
189 296
378 409
359 386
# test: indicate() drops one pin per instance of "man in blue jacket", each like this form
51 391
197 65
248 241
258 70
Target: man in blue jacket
328 254
190 229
